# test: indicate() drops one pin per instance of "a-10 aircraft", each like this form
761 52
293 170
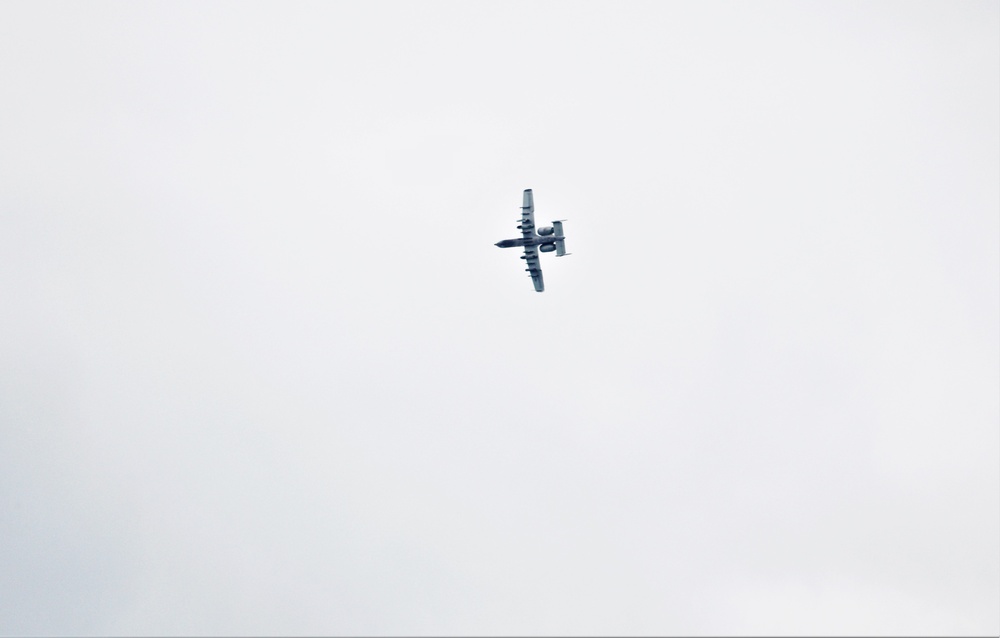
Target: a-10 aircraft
546 240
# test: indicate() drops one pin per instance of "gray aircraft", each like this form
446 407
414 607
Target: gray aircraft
546 240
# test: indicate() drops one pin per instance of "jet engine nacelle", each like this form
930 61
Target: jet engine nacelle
547 248
546 230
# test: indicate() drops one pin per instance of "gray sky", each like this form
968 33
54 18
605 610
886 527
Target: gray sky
263 371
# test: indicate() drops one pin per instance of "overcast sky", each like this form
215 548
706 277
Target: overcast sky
262 370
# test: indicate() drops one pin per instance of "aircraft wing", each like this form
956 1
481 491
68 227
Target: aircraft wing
534 267
528 215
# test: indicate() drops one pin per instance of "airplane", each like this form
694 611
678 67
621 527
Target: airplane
546 240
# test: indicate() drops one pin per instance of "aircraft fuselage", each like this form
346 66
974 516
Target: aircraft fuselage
530 241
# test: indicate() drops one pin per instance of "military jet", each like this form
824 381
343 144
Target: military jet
546 240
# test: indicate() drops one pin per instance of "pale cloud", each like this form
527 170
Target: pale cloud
263 372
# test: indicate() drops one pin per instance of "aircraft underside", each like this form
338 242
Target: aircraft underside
546 239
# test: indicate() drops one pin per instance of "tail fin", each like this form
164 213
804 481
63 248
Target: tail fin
560 242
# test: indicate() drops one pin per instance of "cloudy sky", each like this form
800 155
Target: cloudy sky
262 370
